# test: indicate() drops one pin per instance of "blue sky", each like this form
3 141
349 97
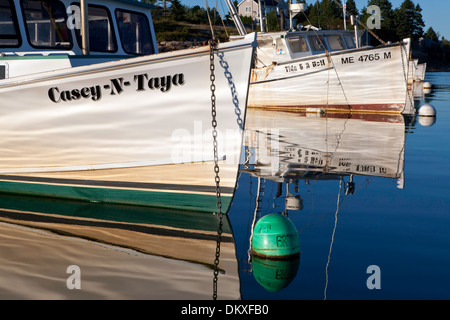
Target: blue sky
435 12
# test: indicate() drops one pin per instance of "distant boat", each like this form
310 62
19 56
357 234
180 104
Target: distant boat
328 70
416 71
79 121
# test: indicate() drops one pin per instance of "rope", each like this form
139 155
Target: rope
330 61
209 19
220 15
332 240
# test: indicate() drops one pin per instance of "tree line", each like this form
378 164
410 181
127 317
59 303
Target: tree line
406 21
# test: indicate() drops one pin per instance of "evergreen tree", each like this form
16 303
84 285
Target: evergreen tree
313 14
409 20
331 15
272 21
177 10
388 31
325 14
351 7
430 34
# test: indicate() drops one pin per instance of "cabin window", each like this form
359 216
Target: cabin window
134 30
317 43
298 44
349 41
101 31
9 30
46 24
335 42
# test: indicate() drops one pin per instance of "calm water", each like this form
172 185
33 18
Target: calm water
399 224
362 191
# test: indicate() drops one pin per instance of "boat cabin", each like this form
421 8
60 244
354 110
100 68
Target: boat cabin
287 46
42 35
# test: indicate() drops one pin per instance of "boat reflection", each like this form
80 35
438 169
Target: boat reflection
288 156
183 243
292 146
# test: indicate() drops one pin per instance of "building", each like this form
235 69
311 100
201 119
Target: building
250 8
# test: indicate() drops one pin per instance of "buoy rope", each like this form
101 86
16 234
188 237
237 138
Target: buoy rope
255 213
332 240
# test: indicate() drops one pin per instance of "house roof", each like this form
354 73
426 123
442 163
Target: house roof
268 3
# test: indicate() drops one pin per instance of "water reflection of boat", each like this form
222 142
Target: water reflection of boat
178 235
288 155
294 146
130 131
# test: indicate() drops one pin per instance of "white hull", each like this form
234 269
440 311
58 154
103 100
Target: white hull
416 71
117 125
356 80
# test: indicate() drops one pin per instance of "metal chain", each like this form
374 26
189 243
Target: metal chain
212 48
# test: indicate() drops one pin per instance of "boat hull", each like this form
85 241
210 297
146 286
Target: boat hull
135 131
358 80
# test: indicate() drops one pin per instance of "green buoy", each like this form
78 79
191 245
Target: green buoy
275 237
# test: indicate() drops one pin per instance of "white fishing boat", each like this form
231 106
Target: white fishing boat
325 70
416 71
81 123
328 70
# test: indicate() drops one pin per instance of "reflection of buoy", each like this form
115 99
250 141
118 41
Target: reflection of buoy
275 275
275 237
427 121
427 115
427 110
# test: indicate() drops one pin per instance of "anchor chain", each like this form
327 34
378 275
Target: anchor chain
212 48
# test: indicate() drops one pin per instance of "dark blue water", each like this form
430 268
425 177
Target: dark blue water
399 224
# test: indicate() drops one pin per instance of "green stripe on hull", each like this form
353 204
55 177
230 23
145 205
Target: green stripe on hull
170 200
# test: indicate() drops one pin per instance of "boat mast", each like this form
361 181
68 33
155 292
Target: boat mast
235 17
84 27
344 7
261 19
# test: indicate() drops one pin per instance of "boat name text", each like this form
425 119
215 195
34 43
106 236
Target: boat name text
141 82
367 58
305 65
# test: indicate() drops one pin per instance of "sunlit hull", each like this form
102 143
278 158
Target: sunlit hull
357 80
135 131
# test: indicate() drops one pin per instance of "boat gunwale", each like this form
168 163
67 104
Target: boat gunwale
123 63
